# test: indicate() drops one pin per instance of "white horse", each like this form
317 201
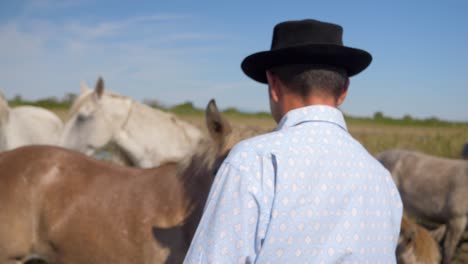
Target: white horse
432 188
146 135
27 125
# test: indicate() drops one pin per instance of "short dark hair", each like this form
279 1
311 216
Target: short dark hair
304 79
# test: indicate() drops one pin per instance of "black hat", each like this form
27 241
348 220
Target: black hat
306 42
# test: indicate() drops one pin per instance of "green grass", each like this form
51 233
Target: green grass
445 141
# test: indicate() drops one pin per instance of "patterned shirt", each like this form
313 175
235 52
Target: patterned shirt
305 193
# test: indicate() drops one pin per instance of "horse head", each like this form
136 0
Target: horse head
416 244
96 116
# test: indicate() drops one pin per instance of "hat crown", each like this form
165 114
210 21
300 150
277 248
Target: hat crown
306 32
309 42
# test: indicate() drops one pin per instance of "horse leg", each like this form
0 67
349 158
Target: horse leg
455 228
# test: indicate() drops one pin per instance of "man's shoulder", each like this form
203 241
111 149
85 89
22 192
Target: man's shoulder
252 148
259 142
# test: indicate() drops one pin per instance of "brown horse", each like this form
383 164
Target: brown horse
60 206
416 245
432 188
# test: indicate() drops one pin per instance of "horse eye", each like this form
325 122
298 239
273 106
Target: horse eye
81 118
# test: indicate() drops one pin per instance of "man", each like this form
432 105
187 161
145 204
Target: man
307 192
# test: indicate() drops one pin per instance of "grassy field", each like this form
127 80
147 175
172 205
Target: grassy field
445 141
435 138
442 141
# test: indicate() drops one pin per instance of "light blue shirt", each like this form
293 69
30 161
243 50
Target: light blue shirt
306 193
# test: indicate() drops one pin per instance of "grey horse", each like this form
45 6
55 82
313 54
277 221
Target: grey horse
432 188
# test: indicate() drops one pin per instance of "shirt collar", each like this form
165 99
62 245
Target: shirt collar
320 113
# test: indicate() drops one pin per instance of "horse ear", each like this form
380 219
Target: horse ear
439 232
4 109
83 87
3 100
408 230
99 90
217 125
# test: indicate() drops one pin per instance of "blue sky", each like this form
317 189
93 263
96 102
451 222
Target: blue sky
177 51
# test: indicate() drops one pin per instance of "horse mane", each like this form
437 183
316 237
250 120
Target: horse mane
206 157
79 102
197 169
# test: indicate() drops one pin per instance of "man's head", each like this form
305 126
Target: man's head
298 85
307 62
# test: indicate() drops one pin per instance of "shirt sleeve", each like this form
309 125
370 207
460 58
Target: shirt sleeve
233 224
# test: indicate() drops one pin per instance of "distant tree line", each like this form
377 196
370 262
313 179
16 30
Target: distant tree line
407 120
49 102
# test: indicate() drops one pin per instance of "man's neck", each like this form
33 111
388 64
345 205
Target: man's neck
293 102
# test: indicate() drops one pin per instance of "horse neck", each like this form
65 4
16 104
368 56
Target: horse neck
143 118
124 145
196 171
165 118
128 145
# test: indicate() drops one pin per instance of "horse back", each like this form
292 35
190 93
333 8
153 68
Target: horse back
416 164
439 185
57 200
32 125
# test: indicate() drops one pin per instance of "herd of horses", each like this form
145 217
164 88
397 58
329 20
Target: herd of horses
61 205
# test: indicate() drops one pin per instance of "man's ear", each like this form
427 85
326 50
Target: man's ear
343 94
274 86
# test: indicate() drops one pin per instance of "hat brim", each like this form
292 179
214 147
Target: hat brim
352 60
